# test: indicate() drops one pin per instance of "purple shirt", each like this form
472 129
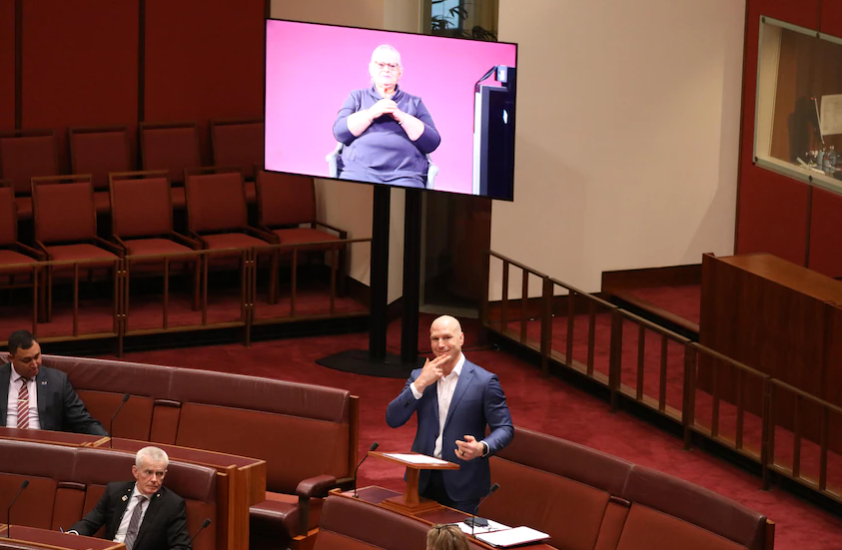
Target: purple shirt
383 153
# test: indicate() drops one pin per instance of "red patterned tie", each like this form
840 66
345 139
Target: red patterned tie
23 405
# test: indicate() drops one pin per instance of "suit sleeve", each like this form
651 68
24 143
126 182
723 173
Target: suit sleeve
177 536
401 408
90 524
498 417
76 416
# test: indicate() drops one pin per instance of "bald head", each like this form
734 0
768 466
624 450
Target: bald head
446 338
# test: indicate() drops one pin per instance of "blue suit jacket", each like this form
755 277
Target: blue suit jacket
477 401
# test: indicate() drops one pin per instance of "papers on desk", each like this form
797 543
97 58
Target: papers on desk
513 537
417 459
492 526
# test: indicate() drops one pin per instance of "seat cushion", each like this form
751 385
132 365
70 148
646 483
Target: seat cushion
305 235
24 207
10 257
282 510
83 251
232 240
143 247
102 202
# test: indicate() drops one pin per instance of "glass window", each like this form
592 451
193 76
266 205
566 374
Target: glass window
798 119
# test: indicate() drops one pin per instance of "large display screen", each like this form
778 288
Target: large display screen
391 108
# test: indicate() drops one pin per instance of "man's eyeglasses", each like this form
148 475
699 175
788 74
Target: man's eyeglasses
384 66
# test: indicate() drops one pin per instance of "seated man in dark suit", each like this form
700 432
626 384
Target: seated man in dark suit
454 400
143 513
39 398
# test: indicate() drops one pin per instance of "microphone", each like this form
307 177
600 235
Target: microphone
202 528
474 521
372 448
111 424
23 486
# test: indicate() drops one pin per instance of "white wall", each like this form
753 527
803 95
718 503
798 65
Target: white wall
349 205
627 135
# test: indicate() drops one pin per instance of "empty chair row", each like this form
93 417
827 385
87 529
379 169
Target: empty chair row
98 151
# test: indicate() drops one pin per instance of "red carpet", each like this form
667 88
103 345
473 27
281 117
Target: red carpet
546 405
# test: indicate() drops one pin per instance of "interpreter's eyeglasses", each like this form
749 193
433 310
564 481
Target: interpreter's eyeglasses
384 66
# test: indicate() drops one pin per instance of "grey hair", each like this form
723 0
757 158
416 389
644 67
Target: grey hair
387 48
154 454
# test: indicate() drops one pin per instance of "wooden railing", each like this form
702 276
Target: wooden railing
125 271
734 393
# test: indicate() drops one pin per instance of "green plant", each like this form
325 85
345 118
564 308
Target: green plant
440 25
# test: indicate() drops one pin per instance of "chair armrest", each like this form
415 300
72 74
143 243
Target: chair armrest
316 486
111 247
342 233
28 250
198 238
120 242
271 238
186 241
40 246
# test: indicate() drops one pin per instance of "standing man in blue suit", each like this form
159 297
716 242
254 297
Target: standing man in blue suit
455 400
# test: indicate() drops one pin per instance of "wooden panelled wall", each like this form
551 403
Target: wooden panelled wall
776 214
66 63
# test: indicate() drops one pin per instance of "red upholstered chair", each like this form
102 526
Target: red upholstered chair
141 220
65 226
285 203
239 143
13 252
24 154
172 146
99 151
217 212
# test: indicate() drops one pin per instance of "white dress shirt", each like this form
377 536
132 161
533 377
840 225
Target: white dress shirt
120 536
445 387
15 383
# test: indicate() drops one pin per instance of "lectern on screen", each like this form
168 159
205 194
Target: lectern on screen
463 92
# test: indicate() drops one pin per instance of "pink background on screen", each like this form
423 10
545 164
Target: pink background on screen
311 69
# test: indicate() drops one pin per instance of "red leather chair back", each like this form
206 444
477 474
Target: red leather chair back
8 214
238 144
23 157
141 207
284 199
216 202
64 212
170 147
98 152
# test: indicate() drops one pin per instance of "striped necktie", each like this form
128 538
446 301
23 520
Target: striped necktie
134 523
23 404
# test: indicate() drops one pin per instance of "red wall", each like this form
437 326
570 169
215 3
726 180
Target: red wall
775 213
7 65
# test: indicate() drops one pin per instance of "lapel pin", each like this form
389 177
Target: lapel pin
43 382
158 495
125 498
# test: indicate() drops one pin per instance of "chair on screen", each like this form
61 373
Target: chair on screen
99 151
65 228
285 203
239 143
334 166
12 252
23 155
142 224
172 146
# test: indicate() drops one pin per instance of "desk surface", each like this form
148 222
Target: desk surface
47 436
54 539
375 495
790 275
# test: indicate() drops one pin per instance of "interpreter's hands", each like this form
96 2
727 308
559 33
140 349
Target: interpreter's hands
469 449
382 107
431 373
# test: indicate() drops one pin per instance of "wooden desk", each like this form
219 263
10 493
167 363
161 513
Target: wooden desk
776 317
31 537
375 496
53 438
